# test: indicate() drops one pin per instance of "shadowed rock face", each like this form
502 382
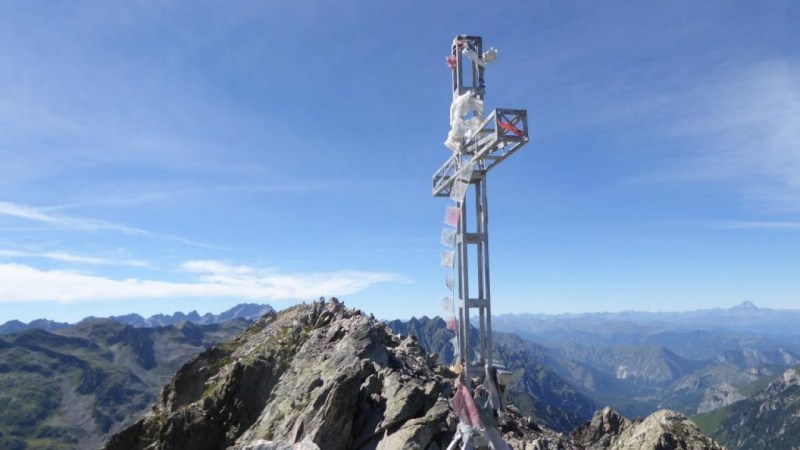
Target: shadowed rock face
604 428
317 373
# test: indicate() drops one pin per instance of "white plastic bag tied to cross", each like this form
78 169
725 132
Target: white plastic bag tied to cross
460 126
463 104
489 56
471 127
474 56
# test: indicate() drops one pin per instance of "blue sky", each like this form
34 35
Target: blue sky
163 156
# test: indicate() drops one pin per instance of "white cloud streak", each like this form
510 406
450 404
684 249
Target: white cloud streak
214 279
43 216
73 258
743 132
755 225
61 221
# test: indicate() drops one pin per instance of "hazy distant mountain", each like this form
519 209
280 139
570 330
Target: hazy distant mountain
647 363
15 326
766 420
639 362
744 319
249 311
72 387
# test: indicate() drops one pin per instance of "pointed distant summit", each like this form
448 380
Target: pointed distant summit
745 306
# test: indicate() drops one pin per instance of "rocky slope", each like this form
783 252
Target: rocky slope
662 430
321 376
768 419
319 373
73 388
719 396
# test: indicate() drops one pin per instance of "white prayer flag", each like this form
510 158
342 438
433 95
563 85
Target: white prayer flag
449 237
458 190
448 256
466 175
447 304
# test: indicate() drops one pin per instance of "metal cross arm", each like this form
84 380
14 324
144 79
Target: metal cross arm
501 134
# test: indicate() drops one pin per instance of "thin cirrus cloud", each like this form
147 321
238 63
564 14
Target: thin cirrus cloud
755 225
73 258
743 132
213 279
43 216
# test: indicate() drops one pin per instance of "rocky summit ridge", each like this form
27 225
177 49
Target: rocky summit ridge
322 376
662 430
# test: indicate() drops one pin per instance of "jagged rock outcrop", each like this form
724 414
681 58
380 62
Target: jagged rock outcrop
604 428
662 430
719 396
318 373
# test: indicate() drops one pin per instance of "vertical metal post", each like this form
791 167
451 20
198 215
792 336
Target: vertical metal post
479 211
477 355
484 230
463 288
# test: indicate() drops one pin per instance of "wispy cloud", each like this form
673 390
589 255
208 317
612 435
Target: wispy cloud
73 258
22 283
741 131
61 221
42 215
122 195
754 225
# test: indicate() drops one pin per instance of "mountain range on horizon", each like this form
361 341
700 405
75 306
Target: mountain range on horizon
115 369
746 309
248 311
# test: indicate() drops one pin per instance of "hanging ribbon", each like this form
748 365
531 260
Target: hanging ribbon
510 128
